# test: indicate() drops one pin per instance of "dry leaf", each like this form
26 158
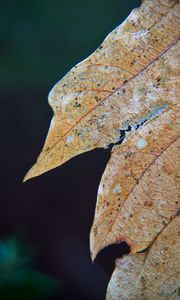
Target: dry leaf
128 78
127 91
150 276
139 190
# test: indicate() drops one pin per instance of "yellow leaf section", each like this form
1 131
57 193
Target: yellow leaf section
133 70
139 190
154 275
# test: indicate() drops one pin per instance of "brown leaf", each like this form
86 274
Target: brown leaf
138 193
130 83
153 275
131 76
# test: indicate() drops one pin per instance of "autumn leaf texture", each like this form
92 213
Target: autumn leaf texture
138 193
153 275
125 96
132 72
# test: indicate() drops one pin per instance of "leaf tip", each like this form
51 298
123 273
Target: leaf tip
31 174
93 256
94 247
26 177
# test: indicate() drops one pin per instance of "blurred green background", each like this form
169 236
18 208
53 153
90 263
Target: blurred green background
18 279
42 40
39 42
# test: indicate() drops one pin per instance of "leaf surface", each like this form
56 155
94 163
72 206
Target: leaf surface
150 276
127 92
139 190
134 70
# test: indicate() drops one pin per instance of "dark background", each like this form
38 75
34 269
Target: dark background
39 42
